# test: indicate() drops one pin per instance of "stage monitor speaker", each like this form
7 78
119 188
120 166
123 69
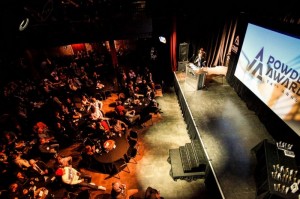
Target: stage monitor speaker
183 52
182 65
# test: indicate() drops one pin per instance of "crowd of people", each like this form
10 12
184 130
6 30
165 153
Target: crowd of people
66 106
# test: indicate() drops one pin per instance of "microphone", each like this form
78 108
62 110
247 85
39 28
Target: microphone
192 57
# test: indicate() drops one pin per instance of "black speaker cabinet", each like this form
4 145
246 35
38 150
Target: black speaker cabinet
183 52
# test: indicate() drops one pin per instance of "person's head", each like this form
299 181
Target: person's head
32 162
19 175
117 186
88 148
153 194
59 157
13 187
43 141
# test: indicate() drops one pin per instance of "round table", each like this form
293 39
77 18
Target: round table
114 154
105 160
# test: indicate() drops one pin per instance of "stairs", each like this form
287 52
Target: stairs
188 162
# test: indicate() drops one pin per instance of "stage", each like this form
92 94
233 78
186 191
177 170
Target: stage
228 131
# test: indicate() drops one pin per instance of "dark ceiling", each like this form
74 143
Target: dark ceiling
52 21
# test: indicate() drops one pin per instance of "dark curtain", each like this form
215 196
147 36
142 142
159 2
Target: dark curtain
113 53
173 45
220 43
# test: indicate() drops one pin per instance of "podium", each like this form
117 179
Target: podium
195 77
182 65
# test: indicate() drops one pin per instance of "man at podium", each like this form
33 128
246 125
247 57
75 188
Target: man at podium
200 59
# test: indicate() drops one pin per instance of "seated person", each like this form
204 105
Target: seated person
120 109
153 107
75 115
46 147
85 103
97 114
20 162
87 156
22 178
120 191
27 183
41 129
152 193
132 117
9 141
64 161
105 126
71 176
96 103
119 127
17 191
41 171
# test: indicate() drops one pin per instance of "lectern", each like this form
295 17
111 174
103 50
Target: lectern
195 76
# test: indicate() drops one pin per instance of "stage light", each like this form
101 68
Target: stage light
24 23
162 39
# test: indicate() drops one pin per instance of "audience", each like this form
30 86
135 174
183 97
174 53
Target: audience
48 113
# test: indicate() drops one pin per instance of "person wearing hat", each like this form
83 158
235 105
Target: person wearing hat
71 176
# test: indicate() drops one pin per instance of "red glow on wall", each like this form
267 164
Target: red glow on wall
78 47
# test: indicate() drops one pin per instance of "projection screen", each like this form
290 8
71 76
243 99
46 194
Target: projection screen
269 65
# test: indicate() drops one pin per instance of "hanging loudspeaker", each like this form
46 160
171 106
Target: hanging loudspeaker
183 51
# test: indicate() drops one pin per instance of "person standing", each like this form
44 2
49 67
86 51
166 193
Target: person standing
200 59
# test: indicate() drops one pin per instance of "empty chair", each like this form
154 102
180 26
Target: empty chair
133 135
118 166
146 118
131 154
133 139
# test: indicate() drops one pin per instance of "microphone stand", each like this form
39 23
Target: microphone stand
192 57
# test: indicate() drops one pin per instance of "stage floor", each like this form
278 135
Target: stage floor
229 130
